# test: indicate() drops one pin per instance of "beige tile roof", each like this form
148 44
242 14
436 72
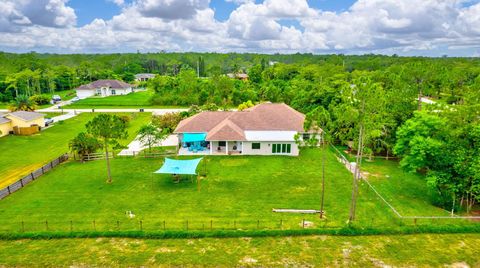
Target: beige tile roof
26 116
226 131
115 84
231 125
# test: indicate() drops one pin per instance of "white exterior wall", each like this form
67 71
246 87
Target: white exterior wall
266 148
105 92
85 93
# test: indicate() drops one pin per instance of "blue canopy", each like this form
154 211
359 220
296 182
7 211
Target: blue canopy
192 137
173 166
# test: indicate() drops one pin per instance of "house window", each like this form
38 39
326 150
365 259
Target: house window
255 146
306 136
222 143
281 148
113 92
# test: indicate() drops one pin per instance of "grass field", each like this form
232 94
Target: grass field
453 250
65 95
133 100
243 189
23 154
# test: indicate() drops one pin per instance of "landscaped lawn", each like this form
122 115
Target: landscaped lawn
139 99
21 155
239 192
451 250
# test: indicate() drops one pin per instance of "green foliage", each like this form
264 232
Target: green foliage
40 99
84 144
109 129
22 103
167 122
245 105
149 135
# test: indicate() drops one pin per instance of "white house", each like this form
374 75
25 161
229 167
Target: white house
265 129
104 88
144 77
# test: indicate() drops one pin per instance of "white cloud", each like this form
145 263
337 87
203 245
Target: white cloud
171 9
152 25
119 3
48 13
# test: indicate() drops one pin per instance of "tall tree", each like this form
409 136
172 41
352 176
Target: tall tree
107 128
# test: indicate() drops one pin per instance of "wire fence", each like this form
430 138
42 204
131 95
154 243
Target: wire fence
10 189
351 167
163 225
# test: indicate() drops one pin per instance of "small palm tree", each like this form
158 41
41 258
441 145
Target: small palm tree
84 144
22 103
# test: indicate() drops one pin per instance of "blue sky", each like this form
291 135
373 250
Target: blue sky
404 27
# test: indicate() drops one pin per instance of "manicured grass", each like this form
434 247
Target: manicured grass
52 114
23 154
239 192
139 99
322 251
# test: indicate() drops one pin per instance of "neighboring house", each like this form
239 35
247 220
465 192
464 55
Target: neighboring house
265 129
104 88
144 77
21 123
239 76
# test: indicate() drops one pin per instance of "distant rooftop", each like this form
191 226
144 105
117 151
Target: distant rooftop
145 75
116 84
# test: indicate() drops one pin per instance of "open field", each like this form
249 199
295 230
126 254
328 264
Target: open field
239 192
356 251
23 154
139 99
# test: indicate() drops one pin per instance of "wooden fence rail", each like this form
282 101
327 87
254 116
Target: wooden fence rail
32 176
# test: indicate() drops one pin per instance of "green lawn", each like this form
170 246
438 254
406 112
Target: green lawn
23 154
65 95
453 250
133 100
240 190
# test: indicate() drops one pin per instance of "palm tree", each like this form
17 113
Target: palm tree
22 103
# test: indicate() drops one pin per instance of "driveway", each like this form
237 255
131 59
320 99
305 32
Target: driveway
136 146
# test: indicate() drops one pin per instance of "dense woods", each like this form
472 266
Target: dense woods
370 100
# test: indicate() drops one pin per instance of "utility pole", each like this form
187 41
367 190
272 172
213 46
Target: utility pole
323 174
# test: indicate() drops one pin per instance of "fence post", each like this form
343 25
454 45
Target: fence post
258 224
51 164
118 225
23 227
211 224
21 182
43 172
187 225
141 226
71 226
303 223
46 225
8 189
281 223
164 225
94 226
234 224
33 177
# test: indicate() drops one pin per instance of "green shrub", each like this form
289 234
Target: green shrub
40 99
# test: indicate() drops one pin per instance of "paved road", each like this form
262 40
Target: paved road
154 111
